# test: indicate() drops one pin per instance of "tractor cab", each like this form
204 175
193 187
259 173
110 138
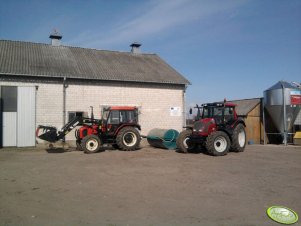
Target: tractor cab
116 116
222 113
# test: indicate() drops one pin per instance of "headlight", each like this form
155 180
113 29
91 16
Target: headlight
198 127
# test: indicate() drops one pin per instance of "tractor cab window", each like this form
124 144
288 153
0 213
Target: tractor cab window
212 112
117 117
113 117
128 116
229 114
218 114
105 114
218 111
205 113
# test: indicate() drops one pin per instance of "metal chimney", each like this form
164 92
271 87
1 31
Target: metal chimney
135 48
55 37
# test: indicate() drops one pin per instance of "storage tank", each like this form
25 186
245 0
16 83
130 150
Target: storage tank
283 102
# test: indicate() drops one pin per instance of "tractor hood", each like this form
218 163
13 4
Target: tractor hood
203 125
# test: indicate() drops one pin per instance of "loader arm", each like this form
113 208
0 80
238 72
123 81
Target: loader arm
51 134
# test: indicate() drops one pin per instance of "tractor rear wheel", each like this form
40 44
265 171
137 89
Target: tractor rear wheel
91 144
238 139
183 143
218 143
128 139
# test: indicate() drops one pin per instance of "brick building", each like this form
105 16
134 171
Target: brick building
47 84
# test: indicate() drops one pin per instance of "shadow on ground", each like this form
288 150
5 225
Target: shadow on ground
198 150
59 150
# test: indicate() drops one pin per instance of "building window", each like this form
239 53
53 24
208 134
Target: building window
9 98
73 114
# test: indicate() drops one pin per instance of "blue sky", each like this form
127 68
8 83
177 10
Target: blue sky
232 49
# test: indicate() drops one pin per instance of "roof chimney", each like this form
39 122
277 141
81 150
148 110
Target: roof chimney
135 48
55 37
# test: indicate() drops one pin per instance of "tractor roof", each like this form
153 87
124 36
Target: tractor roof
123 108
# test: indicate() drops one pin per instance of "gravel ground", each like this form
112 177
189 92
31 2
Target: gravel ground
147 187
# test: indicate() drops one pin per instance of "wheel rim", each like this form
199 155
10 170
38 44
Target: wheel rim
241 138
92 145
185 142
220 144
129 139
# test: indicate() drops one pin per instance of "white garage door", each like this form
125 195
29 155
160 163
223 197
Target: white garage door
26 117
18 116
9 129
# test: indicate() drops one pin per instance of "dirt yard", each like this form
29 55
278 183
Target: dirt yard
147 187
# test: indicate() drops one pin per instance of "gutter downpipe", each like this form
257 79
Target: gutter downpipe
263 117
65 86
35 110
284 117
184 106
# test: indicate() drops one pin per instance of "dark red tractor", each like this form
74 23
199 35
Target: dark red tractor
216 128
118 127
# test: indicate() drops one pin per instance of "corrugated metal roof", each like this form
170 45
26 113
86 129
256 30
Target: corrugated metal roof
35 59
245 106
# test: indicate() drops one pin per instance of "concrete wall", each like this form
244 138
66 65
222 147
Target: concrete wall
154 100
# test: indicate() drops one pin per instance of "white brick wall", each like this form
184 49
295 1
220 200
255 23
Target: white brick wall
154 101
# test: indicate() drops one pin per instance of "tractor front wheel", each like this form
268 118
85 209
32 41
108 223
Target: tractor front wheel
183 143
128 139
218 143
91 144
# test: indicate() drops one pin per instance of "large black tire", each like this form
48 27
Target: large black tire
91 144
79 145
238 139
183 143
128 139
218 143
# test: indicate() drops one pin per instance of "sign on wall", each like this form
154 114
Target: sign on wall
295 97
175 111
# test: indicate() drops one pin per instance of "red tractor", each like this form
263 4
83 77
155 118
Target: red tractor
217 128
118 127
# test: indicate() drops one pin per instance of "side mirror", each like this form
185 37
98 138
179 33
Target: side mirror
190 111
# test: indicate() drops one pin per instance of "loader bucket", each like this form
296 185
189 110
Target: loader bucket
48 133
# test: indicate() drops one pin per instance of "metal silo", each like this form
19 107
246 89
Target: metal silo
283 102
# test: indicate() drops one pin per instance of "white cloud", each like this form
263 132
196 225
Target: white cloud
157 17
